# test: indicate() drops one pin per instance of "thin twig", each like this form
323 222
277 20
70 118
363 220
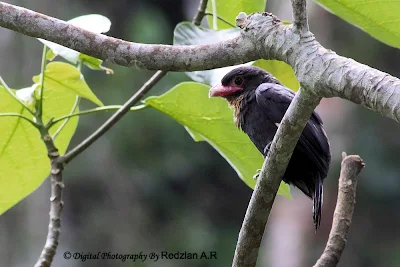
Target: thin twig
56 203
274 167
300 19
221 19
351 167
113 119
200 12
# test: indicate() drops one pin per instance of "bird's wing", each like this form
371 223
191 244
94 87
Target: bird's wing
274 100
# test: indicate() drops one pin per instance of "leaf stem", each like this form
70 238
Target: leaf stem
39 111
51 123
215 16
76 104
20 116
15 97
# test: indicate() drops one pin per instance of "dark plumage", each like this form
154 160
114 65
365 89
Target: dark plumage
260 101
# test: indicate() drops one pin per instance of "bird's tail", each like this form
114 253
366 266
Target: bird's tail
317 202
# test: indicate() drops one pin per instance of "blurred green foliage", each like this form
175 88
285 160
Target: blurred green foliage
377 18
146 186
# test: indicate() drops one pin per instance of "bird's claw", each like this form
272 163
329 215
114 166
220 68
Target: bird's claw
255 176
267 149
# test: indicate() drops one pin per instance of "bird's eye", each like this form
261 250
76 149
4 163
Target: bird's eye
238 81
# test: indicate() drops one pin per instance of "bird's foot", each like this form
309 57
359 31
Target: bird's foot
255 176
267 148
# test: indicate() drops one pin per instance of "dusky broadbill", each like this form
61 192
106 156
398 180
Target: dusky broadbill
259 102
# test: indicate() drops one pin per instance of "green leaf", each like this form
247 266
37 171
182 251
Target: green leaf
94 63
229 9
64 77
92 22
282 71
211 120
186 33
195 135
24 164
377 18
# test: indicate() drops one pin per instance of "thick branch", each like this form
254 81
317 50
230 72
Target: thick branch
270 177
300 19
262 36
351 167
155 57
322 70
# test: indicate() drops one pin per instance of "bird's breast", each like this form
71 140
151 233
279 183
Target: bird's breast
235 104
256 124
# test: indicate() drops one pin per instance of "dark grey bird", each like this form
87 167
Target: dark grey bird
260 101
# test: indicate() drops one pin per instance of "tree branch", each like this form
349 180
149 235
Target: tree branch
154 57
56 202
262 36
274 167
300 20
201 12
351 167
322 70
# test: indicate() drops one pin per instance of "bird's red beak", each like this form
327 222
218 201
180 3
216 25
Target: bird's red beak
221 90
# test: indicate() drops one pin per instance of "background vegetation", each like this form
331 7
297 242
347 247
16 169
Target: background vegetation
146 186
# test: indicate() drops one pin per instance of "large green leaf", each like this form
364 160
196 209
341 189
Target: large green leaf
24 164
65 77
229 9
211 120
282 71
378 18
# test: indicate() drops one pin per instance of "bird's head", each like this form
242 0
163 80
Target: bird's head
240 81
